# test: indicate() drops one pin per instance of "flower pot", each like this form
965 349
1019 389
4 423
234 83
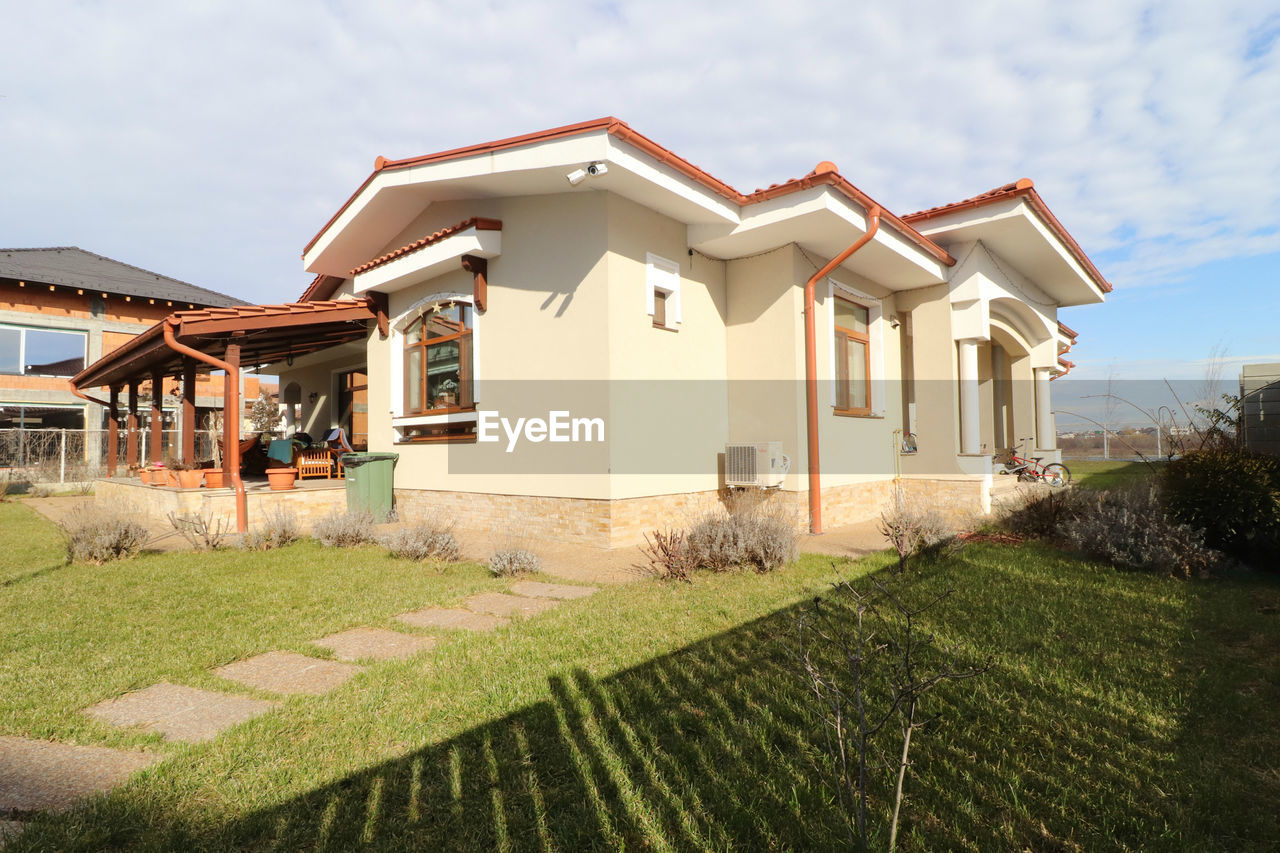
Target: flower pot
213 478
190 479
281 479
145 475
170 478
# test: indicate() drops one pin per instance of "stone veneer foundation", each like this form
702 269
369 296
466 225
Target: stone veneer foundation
598 523
624 522
154 503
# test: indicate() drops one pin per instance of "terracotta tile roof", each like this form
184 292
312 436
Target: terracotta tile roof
824 174
1068 331
1023 187
321 287
479 223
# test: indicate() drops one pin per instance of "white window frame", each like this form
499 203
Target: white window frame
663 275
396 340
875 334
22 346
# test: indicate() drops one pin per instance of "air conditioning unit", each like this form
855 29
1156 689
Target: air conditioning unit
761 465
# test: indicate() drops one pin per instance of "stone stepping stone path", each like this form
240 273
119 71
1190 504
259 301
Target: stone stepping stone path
179 713
374 644
287 672
502 604
444 617
37 775
536 589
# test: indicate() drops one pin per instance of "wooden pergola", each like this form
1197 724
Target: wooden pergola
190 342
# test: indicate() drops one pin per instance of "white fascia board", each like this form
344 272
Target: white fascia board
628 158
718 240
430 261
971 223
386 198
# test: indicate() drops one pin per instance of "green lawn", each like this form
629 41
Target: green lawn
1124 711
1096 474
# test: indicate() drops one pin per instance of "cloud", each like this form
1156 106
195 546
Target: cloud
209 141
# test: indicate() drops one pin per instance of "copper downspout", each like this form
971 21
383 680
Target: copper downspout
811 366
231 394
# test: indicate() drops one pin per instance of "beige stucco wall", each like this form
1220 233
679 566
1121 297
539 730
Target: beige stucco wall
316 373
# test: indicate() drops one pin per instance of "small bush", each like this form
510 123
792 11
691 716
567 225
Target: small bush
1231 494
204 531
1131 529
97 536
509 562
913 529
1041 515
342 529
669 557
279 527
750 533
423 540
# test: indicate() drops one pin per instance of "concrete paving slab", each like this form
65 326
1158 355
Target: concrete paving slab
374 644
537 589
37 775
287 672
443 617
501 604
850 540
178 712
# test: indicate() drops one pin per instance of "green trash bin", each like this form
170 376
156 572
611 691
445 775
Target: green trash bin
370 481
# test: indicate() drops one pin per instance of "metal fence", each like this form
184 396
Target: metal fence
78 455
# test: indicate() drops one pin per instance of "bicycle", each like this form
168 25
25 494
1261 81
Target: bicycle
1032 469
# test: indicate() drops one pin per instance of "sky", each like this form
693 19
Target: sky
209 141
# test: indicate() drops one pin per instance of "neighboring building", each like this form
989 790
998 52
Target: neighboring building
1260 407
62 308
587 278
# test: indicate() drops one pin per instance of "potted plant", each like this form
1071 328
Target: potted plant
144 474
281 479
189 477
159 476
213 478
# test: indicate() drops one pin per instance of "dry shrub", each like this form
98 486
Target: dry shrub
429 539
343 529
97 536
204 531
913 528
750 531
279 527
1132 530
510 562
669 558
1041 515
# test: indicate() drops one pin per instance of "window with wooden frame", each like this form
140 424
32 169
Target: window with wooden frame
438 372
662 285
852 358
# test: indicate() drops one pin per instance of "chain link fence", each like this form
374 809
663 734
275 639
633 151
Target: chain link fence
61 456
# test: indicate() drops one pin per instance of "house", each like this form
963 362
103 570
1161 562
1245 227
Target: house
560 333
1260 408
62 308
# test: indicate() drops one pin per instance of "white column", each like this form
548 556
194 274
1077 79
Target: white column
970 422
1045 437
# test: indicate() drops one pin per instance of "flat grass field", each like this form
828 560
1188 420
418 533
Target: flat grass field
1123 711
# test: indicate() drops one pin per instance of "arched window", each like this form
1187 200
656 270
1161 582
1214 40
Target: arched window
438 371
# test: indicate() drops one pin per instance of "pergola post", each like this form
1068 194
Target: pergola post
113 430
157 418
189 410
230 402
131 436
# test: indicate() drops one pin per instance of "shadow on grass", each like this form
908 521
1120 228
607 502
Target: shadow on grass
1072 741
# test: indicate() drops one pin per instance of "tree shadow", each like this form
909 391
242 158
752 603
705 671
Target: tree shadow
714 747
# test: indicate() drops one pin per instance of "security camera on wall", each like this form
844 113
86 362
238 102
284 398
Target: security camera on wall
595 170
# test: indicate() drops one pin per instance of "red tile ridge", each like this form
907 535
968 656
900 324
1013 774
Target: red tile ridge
1068 331
479 223
1023 187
